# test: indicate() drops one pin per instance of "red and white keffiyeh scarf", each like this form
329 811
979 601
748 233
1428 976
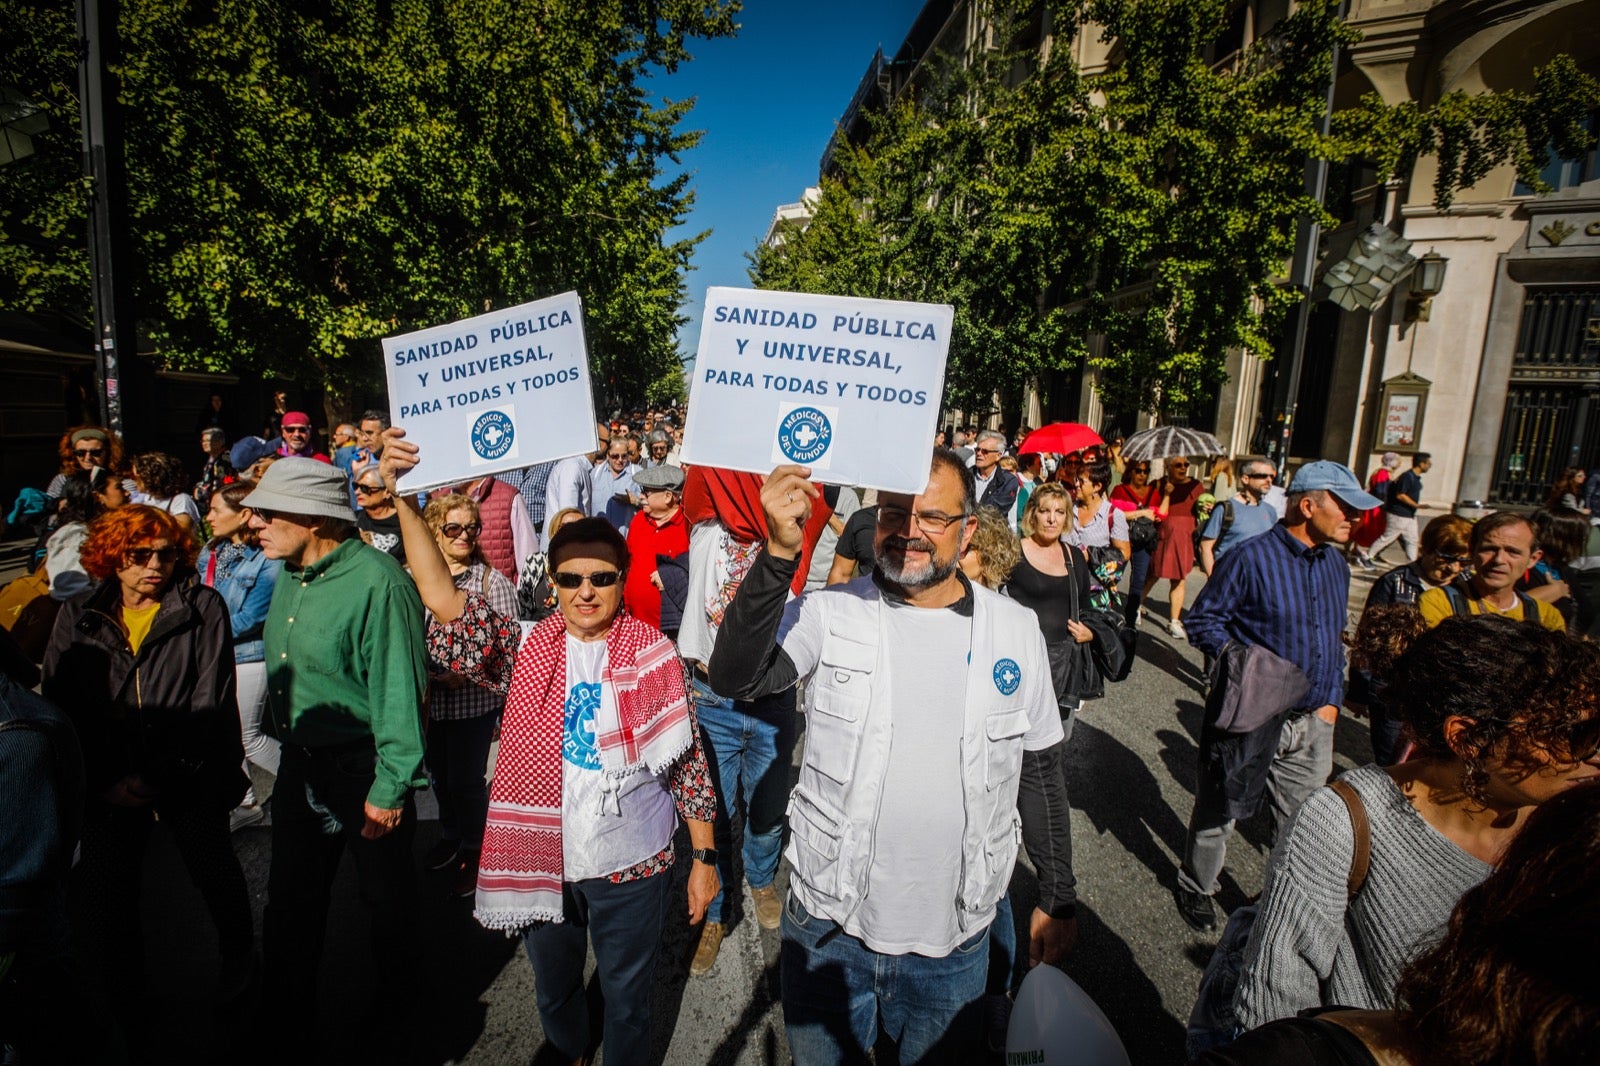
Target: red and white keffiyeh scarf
519 872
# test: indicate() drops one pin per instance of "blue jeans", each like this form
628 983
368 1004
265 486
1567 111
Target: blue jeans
838 994
1138 570
748 747
623 922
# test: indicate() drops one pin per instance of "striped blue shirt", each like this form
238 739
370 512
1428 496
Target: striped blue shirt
1293 600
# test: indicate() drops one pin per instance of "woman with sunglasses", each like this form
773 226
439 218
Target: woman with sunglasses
83 448
377 518
1503 716
1444 555
599 758
462 715
233 563
1173 556
1138 499
143 665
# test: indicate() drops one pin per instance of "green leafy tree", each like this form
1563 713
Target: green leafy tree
306 178
1153 205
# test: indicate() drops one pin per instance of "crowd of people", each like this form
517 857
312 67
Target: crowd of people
543 650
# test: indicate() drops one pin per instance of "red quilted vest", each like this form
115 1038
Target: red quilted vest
494 506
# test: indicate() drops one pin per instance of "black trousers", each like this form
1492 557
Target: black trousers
318 811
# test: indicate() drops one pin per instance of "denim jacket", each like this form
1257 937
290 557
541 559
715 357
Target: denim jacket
247 590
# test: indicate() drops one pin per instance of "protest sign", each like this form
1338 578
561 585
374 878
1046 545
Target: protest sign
495 392
848 387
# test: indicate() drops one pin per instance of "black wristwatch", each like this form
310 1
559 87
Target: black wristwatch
705 855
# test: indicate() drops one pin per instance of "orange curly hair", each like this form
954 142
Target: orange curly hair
69 460
113 533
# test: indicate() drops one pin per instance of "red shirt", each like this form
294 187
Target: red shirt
646 540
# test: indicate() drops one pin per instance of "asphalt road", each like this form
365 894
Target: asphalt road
1132 760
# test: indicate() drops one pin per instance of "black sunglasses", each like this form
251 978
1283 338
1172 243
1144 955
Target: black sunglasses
455 529
141 556
297 429
367 490
1457 560
85 453
600 579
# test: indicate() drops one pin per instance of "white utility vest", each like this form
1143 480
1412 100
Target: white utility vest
833 810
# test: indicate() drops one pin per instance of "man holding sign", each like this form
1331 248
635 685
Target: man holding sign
902 850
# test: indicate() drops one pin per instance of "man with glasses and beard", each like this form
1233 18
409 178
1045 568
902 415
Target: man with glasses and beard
346 672
934 746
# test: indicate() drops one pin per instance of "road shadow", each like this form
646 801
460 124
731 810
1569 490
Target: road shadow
1155 649
1120 796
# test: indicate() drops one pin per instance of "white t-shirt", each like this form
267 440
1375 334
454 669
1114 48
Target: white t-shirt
606 825
916 863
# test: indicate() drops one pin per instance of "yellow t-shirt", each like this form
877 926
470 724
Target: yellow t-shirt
1435 608
137 621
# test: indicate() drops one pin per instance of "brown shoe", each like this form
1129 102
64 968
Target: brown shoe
705 956
769 908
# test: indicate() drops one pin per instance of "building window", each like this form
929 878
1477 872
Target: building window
1561 173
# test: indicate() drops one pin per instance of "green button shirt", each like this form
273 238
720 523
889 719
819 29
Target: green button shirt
346 660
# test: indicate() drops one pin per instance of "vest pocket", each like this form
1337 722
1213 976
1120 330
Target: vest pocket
1003 754
835 727
993 871
817 839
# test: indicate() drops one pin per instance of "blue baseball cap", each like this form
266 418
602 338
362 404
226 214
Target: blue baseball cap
1329 476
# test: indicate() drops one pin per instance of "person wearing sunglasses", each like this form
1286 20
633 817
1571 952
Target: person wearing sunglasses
347 669
298 439
599 758
613 493
1173 556
378 519
84 448
462 715
1444 555
143 665
1504 717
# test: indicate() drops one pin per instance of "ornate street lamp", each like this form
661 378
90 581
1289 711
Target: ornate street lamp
1427 281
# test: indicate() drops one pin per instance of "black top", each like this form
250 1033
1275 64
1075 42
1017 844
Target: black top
1408 484
1050 597
1293 1042
856 540
385 533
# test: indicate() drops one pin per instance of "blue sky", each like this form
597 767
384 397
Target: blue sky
767 100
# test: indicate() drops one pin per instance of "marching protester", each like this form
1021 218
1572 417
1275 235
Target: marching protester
508 535
1173 556
1142 509
1562 535
1277 600
931 829
85 496
613 493
570 482
1371 525
1503 984
143 666
1095 521
84 448
1504 717
218 469
997 487
658 531
1444 553
346 672
1400 509
378 520
234 564
1240 516
991 556
160 481
536 594
298 438
599 758
462 714
1502 549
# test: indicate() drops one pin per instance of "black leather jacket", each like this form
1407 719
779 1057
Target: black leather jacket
169 714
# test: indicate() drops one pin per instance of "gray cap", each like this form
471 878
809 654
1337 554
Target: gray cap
1336 478
302 486
665 476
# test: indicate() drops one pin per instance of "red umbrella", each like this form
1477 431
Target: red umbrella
1060 438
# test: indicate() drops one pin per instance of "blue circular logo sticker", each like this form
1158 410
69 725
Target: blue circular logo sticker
578 745
492 434
804 434
1007 676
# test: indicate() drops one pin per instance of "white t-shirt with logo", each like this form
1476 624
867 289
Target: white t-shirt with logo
606 825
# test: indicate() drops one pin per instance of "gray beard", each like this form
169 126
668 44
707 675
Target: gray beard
923 576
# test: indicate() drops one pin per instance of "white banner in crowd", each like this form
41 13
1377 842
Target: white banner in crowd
848 387
494 392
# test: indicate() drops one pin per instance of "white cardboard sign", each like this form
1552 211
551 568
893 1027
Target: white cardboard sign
494 392
849 387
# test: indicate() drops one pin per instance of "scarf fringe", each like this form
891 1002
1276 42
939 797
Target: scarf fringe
513 921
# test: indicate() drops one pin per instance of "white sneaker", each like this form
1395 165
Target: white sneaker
1175 628
1141 616
245 816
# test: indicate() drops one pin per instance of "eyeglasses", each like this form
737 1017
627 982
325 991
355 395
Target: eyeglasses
367 490
935 522
88 453
452 530
1177 466
1583 741
600 579
142 556
1452 560
987 451
1141 470
616 455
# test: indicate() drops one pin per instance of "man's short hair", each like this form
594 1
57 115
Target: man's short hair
374 415
1248 466
1292 505
1501 520
994 435
1420 457
955 464
214 433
